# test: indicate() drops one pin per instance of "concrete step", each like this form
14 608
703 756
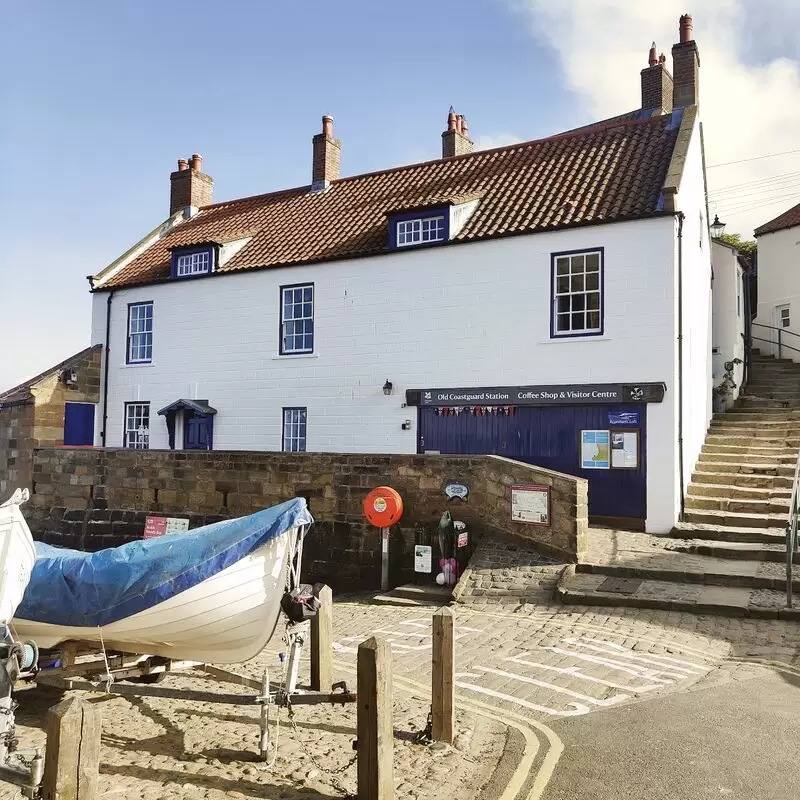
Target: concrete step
733 601
738 505
735 519
709 474
728 533
725 490
415 595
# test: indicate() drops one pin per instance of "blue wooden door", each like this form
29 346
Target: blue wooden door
547 437
78 424
198 431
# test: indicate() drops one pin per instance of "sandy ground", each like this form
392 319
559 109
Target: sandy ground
155 748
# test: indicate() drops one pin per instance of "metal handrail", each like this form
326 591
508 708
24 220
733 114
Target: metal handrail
781 332
775 328
791 531
781 346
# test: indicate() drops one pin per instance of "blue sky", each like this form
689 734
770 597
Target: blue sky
99 99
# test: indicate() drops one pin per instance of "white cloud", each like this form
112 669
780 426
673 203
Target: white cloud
491 140
749 95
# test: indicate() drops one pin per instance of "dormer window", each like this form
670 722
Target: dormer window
419 231
188 263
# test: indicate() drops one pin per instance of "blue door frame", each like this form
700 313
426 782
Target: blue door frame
79 424
549 437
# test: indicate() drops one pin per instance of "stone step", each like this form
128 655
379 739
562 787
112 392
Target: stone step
764 449
748 551
737 412
724 533
738 505
415 595
735 519
750 459
725 490
761 403
733 601
786 470
761 430
739 479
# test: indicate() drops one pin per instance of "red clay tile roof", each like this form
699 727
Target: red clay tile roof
605 173
788 219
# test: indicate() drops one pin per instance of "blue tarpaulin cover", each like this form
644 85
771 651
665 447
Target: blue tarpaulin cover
70 587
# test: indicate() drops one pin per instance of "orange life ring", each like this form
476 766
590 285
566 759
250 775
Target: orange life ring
383 507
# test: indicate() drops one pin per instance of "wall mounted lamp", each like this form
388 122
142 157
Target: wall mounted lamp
387 387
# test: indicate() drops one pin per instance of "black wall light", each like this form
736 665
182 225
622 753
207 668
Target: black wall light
387 387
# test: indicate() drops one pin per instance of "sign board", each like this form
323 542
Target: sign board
624 449
530 504
423 558
456 491
595 450
159 526
559 394
463 539
629 418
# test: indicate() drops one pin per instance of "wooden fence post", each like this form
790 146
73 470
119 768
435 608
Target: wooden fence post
72 758
322 643
374 728
442 668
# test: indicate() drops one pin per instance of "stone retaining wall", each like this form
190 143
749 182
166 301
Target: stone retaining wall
95 498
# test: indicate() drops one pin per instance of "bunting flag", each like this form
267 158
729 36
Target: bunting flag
475 411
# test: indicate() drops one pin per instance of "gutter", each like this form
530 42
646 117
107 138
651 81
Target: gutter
105 374
679 387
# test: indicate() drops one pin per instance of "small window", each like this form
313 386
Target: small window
140 333
577 294
786 319
420 231
136 435
188 263
297 319
294 430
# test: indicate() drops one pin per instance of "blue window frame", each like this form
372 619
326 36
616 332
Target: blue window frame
418 228
140 333
297 319
189 263
136 430
576 293
294 430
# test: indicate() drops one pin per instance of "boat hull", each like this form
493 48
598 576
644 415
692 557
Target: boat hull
17 555
226 619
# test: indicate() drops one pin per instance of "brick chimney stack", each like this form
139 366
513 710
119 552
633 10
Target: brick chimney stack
455 140
685 66
326 165
656 84
190 188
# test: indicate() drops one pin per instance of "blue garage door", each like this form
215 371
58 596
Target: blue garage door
78 424
547 437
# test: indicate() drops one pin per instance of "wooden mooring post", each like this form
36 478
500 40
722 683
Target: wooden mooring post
322 643
374 727
442 670
72 759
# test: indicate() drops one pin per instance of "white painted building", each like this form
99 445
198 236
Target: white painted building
729 313
776 329
549 301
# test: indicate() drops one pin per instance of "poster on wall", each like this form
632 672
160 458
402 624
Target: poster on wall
595 450
530 504
624 449
159 526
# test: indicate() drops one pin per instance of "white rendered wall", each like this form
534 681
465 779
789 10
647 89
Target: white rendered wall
778 284
467 315
728 304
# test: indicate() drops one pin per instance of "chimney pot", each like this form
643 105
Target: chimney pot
685 27
327 126
651 59
455 140
183 164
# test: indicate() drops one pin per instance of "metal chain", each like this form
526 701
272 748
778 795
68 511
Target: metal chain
425 736
337 784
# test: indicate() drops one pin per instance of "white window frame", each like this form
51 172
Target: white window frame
140 336
785 319
296 301
574 285
295 429
198 263
135 434
420 230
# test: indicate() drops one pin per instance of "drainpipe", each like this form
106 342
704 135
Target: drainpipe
680 365
105 376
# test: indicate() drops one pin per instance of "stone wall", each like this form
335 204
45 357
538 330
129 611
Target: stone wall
16 447
94 498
